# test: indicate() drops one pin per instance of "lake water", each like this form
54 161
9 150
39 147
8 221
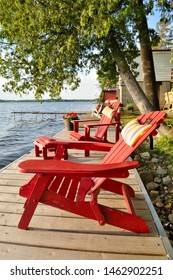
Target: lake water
18 132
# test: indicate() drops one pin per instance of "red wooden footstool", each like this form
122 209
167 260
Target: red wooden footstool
46 146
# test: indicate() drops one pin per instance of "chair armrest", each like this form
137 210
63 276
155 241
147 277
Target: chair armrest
76 123
85 120
96 125
68 168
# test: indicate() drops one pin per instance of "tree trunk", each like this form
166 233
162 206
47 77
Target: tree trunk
132 85
149 79
134 89
139 97
149 82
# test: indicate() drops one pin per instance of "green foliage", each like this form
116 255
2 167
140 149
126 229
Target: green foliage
165 33
165 144
44 44
41 49
130 106
164 147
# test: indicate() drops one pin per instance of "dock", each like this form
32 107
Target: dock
54 234
44 113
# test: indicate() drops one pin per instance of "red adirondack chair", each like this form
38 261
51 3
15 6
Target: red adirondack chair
43 144
101 128
67 185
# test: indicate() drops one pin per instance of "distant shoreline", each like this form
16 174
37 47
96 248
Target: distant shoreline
49 100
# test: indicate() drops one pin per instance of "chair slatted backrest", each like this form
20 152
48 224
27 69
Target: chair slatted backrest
108 114
121 150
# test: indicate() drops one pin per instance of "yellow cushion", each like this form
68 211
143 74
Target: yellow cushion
108 112
128 127
133 132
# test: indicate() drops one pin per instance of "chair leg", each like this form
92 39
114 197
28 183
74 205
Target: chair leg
37 151
117 133
87 153
124 220
60 152
33 201
26 189
151 142
96 208
116 187
44 152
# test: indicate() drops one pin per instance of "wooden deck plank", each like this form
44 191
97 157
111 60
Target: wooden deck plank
56 234
88 242
18 252
44 210
71 223
112 202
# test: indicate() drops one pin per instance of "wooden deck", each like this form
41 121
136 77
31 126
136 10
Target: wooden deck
55 234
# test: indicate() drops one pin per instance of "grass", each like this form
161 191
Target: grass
132 115
164 148
128 116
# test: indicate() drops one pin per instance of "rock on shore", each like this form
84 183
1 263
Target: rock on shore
155 173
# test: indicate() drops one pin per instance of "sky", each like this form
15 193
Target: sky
89 88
